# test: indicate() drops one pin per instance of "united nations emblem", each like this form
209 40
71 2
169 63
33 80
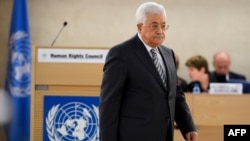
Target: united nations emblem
74 121
19 69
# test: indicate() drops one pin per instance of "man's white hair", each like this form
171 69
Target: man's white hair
149 7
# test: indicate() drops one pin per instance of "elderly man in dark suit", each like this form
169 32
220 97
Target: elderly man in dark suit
222 73
140 98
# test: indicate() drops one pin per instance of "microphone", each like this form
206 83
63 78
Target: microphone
64 24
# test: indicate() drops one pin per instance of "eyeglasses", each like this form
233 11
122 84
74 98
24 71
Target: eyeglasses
157 26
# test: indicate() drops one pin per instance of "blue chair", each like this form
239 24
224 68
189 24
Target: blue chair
246 84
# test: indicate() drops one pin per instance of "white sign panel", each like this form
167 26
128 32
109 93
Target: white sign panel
226 88
60 55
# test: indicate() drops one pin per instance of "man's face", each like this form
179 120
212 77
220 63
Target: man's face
221 66
153 30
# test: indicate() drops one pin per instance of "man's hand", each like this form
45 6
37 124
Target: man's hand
192 136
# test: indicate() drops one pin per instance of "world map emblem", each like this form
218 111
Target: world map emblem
73 121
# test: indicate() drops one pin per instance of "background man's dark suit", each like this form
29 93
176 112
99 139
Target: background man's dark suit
233 75
215 77
135 104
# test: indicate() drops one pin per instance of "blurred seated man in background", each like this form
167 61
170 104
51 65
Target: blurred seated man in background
222 73
198 73
182 82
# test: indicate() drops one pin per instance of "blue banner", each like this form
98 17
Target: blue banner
18 79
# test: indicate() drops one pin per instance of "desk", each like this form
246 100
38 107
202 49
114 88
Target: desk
213 110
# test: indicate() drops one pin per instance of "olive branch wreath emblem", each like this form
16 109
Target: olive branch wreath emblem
50 122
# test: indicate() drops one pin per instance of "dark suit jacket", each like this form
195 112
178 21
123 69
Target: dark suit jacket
215 77
134 103
233 75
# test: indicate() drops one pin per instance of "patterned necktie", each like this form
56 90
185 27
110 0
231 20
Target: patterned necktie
158 66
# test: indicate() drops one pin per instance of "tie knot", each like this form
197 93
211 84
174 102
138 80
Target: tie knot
153 52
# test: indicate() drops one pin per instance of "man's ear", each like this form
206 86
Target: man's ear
214 63
139 27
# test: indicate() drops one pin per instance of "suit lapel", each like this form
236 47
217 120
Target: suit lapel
166 56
